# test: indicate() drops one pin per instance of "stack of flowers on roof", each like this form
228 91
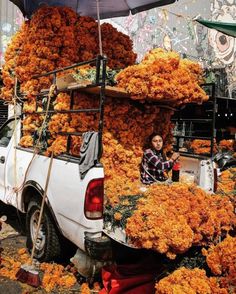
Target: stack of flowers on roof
164 76
11 57
56 37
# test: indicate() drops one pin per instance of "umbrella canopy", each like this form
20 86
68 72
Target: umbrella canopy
108 8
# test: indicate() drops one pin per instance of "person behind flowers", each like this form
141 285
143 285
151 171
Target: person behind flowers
154 166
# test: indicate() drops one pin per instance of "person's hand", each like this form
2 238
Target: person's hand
175 156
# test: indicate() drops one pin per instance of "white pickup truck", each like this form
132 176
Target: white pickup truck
74 206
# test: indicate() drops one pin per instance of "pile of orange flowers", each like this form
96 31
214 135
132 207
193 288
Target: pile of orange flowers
54 275
188 281
11 57
85 289
126 129
118 47
56 37
202 146
227 145
172 218
164 76
227 181
9 267
221 259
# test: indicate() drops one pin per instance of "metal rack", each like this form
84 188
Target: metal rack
210 122
100 81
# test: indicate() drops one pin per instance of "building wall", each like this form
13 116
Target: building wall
10 20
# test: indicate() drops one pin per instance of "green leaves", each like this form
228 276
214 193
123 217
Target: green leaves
90 75
125 208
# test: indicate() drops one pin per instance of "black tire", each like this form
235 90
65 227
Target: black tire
50 248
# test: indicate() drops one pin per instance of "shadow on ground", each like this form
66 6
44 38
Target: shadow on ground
15 219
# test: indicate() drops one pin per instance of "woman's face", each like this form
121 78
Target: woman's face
157 143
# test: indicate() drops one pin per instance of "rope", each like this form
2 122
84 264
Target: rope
50 95
15 143
42 207
15 152
37 145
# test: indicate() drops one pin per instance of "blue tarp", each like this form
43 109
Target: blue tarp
108 8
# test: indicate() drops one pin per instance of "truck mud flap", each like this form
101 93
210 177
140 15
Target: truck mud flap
98 246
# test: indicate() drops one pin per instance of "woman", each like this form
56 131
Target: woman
154 164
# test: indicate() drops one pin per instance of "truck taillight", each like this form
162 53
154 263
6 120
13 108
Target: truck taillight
93 206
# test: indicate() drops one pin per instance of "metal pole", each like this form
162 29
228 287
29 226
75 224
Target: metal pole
102 101
99 28
77 6
213 120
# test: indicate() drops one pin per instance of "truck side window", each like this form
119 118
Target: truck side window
6 133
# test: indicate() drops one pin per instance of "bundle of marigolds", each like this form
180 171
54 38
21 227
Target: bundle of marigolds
164 76
85 289
54 275
56 37
227 181
172 218
227 145
221 259
186 281
199 146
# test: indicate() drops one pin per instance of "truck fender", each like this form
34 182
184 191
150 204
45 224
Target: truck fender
32 188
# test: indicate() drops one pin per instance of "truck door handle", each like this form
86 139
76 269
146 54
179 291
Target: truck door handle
2 159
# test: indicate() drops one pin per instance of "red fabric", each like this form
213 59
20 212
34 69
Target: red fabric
127 279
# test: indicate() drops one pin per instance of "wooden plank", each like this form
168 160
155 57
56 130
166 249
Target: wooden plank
109 91
116 92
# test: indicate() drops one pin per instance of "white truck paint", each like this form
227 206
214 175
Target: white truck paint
199 170
66 190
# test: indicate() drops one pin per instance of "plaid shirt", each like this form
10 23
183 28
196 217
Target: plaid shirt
153 167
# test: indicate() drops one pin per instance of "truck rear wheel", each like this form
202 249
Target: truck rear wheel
47 245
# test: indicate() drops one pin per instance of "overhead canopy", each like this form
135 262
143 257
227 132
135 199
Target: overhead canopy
223 27
108 8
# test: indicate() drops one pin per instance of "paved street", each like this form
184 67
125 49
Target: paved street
12 239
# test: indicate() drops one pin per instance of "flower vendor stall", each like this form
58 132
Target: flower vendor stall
169 219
